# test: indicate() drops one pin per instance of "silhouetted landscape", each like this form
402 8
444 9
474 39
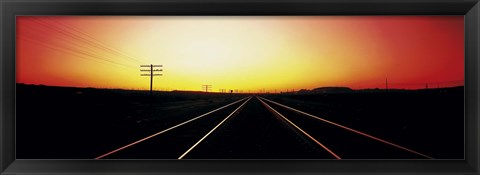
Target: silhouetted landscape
84 123
430 121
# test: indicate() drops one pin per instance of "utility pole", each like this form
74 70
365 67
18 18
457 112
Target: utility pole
206 87
151 74
386 84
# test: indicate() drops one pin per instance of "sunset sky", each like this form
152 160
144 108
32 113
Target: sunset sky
244 53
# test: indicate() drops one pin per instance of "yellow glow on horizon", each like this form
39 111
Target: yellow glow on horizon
244 53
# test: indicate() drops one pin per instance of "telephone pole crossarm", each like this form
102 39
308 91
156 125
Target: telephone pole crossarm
206 87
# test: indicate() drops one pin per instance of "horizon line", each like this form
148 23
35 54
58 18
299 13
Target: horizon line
237 91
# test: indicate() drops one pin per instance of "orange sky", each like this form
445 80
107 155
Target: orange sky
245 53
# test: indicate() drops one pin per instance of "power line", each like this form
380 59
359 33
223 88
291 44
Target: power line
96 41
83 43
74 46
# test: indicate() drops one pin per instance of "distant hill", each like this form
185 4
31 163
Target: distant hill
332 90
323 90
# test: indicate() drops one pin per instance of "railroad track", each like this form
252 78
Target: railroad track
340 140
174 138
259 128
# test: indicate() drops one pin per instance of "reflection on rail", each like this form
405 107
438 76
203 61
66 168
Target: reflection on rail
168 129
301 130
349 129
206 135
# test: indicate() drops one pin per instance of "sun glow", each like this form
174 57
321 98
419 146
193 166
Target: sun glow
244 53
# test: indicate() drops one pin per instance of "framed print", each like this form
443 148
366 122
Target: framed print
246 87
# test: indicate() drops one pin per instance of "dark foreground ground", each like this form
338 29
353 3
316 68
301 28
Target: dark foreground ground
428 121
83 123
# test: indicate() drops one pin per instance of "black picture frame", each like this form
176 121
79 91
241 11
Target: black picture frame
11 8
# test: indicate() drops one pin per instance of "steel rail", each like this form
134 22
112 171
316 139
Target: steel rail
168 129
300 129
213 129
350 129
